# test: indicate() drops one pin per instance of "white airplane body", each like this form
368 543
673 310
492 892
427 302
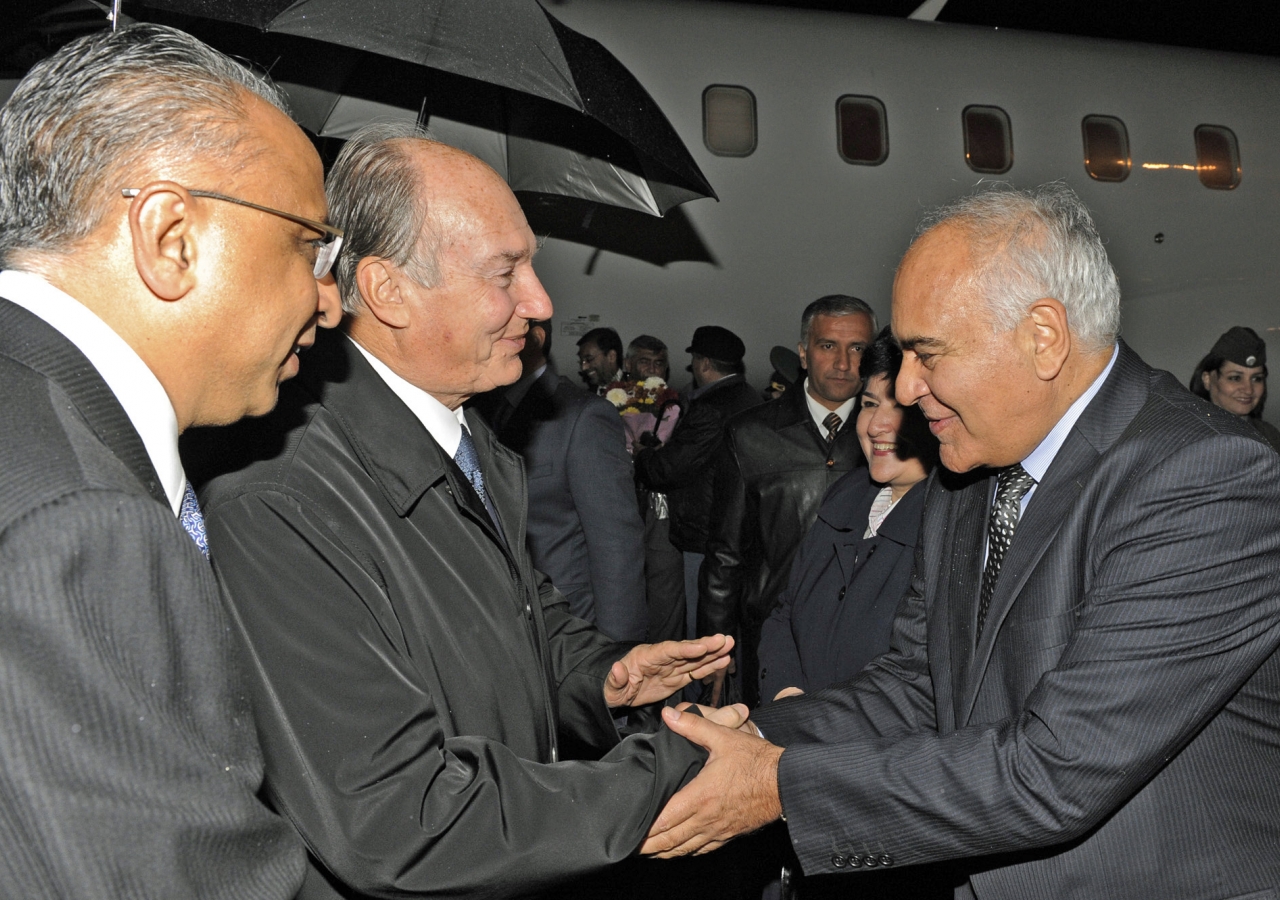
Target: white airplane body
795 221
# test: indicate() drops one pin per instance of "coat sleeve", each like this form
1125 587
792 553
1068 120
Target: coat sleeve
357 755
603 491
731 546
779 657
128 761
683 459
1179 609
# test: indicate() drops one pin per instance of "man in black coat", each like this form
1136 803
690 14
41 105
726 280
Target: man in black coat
778 461
682 467
1080 695
129 766
585 532
413 672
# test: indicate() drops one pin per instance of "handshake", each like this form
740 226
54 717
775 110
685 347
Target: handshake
735 793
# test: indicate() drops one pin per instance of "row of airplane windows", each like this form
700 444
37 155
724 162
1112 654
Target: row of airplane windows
862 138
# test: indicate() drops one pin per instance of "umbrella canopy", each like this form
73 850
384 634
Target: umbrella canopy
566 117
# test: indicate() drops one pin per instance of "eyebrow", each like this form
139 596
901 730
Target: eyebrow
913 343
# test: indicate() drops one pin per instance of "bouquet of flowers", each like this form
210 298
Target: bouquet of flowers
648 405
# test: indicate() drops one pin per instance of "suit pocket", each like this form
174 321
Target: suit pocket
539 471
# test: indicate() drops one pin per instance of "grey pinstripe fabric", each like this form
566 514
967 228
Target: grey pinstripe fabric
128 761
1116 731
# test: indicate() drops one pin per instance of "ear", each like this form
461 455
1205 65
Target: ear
1048 336
164 228
802 352
379 282
1204 379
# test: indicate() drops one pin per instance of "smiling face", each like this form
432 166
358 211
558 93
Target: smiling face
1236 388
465 334
648 363
974 381
884 430
263 302
596 367
831 355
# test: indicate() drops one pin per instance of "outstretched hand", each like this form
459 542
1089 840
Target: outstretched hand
735 793
653 672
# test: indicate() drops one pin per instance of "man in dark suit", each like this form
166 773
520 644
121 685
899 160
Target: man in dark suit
1081 695
413 672
585 532
682 467
128 761
778 461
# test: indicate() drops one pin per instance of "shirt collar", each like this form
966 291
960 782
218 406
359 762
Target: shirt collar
444 424
1037 463
820 412
134 385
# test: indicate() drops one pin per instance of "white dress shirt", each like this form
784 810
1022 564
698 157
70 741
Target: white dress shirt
820 412
144 399
443 424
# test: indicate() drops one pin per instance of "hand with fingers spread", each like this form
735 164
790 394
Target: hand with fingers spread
652 672
735 793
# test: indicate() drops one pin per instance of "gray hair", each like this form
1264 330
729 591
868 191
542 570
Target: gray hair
1027 245
375 195
834 305
85 120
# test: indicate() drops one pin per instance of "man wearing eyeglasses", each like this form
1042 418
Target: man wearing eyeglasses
418 684
161 241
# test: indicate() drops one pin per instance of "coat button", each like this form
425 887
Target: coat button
855 861
840 596
886 859
871 861
830 463
837 861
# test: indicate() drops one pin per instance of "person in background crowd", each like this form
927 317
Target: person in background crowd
585 532
600 359
854 564
647 356
787 371
161 235
778 461
682 467
413 672
1233 376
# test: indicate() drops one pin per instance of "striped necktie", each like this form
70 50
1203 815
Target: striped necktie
1012 484
832 423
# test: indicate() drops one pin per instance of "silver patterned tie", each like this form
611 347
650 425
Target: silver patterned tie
1012 485
193 520
469 462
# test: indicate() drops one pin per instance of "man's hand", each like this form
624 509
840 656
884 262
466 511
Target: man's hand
652 672
735 793
734 716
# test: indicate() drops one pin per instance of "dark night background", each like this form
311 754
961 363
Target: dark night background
1243 26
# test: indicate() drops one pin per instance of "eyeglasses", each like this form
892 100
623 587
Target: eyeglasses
327 248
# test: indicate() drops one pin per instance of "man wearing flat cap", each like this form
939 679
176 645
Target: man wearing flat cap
681 468
1233 376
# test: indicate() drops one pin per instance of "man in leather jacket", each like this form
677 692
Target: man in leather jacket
777 462
682 467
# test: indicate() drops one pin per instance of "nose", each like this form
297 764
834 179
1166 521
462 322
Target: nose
532 301
910 386
885 420
329 303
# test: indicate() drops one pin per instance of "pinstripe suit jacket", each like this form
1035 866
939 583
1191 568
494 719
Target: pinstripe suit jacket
128 759
1116 730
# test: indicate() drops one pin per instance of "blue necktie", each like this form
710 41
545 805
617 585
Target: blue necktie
193 520
469 462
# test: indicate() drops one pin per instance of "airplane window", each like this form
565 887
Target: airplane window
1217 157
988 139
1106 148
729 120
861 130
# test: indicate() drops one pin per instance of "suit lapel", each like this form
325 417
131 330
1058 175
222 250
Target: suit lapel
29 340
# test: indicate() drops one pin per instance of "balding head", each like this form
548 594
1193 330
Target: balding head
444 303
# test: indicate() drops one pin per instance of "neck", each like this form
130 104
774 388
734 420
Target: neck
832 405
382 342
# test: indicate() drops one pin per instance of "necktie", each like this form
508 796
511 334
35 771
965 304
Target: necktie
832 423
469 462
1012 485
193 520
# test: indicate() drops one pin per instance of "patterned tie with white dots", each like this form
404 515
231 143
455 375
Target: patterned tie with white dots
1012 485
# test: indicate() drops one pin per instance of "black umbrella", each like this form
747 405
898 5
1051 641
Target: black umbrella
594 130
